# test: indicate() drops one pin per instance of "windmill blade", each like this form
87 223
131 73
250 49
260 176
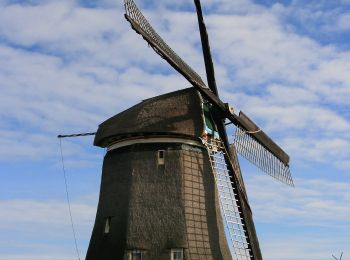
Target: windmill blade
234 204
236 186
247 145
140 24
209 67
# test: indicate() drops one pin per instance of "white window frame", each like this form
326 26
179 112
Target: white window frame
107 227
176 250
135 251
161 156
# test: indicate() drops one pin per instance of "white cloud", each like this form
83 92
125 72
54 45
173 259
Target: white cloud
35 145
284 95
312 247
320 150
35 229
54 22
308 222
316 202
29 213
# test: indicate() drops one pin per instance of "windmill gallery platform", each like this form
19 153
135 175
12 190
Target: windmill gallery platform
158 195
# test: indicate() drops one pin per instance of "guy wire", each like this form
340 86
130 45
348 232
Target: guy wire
68 201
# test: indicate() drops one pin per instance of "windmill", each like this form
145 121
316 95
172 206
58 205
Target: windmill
171 184
340 258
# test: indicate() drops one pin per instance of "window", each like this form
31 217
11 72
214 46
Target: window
210 126
177 254
135 255
161 157
107 225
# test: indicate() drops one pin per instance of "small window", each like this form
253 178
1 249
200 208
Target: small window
177 254
161 157
107 225
135 255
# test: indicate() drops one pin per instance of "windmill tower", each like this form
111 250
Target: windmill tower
171 185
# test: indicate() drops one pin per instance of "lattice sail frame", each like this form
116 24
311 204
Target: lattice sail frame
228 197
250 149
138 19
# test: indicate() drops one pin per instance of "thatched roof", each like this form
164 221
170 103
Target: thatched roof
176 113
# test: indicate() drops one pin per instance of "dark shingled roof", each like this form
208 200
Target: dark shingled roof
176 113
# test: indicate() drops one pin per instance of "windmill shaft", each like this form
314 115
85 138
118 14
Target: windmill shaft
209 67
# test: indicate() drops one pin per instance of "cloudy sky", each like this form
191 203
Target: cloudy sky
66 66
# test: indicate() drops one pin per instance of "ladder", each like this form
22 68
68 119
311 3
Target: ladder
233 221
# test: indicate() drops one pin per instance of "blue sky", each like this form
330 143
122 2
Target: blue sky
66 66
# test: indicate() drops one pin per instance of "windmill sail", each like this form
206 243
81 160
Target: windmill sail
209 66
229 201
250 149
248 146
142 26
